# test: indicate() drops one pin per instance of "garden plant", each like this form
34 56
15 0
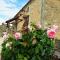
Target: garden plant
37 44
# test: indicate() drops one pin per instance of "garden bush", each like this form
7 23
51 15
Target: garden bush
37 44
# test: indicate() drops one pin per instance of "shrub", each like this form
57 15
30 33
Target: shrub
34 45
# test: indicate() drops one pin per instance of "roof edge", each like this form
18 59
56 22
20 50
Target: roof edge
18 12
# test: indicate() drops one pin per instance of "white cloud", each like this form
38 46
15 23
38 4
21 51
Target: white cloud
7 10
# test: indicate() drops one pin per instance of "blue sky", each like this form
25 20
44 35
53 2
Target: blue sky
8 8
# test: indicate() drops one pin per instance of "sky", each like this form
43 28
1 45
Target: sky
9 8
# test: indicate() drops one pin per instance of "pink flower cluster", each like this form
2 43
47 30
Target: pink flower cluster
17 35
51 32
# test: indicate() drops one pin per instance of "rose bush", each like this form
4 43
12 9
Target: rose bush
35 45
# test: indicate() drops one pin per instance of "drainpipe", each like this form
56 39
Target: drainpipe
42 12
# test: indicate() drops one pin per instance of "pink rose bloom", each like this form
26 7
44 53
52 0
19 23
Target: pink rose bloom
38 25
55 27
51 33
18 35
4 33
5 37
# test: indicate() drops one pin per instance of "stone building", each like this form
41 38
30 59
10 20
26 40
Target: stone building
31 12
45 11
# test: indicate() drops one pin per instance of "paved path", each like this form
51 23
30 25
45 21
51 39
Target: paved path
1 41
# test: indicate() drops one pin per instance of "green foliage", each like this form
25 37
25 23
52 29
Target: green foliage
2 29
34 45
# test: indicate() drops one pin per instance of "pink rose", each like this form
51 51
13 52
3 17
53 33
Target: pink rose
4 33
38 25
18 35
55 27
51 33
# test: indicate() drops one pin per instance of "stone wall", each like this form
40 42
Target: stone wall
52 13
35 11
45 11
